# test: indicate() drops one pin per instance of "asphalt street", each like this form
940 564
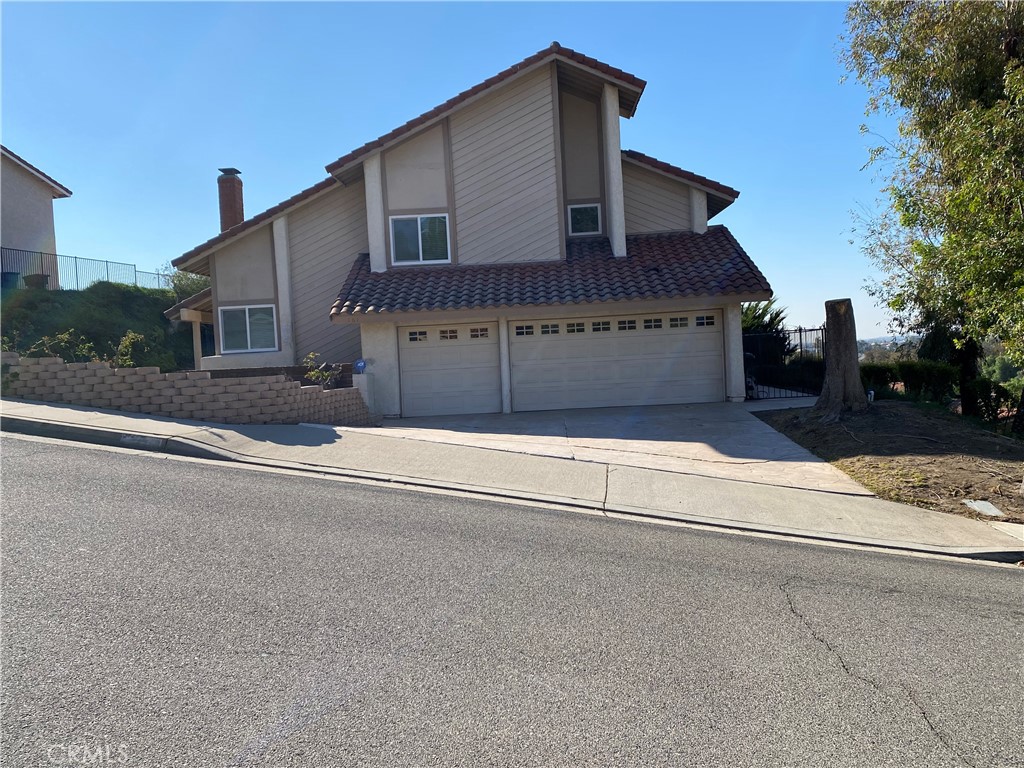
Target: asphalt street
167 612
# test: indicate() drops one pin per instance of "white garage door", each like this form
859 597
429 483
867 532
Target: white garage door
447 369
671 357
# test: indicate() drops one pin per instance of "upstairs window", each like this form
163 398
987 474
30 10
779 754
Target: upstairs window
585 219
420 239
248 329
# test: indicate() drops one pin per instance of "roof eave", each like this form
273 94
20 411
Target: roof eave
58 190
185 261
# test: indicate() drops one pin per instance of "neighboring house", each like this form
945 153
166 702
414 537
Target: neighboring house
498 253
26 219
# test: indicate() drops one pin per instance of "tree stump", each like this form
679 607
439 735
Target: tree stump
843 389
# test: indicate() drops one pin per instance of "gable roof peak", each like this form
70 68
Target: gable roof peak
556 51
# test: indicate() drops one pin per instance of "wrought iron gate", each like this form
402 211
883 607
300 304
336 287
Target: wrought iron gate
784 363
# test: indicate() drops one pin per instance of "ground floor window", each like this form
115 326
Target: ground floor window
248 329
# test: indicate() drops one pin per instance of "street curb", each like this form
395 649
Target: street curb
111 437
183 446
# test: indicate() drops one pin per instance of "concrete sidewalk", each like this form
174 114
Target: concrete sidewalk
606 482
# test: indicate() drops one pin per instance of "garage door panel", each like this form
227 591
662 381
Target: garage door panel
640 360
430 358
449 369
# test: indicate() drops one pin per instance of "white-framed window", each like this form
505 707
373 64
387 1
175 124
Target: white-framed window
479 333
600 326
704 321
585 219
248 329
415 336
678 322
548 329
524 330
627 325
420 239
450 334
575 328
652 323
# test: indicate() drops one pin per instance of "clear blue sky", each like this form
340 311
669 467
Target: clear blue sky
134 106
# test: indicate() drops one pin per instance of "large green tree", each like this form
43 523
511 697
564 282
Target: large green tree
951 244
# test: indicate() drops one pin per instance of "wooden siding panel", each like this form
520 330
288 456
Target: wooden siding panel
654 203
504 172
324 239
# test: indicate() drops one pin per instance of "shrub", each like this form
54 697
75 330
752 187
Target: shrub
130 349
992 398
880 377
320 373
926 379
70 346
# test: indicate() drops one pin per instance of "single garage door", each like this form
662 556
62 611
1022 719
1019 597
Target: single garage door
448 369
671 357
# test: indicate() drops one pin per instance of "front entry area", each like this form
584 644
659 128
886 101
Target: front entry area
613 360
449 369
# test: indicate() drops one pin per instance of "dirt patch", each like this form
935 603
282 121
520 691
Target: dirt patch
916 454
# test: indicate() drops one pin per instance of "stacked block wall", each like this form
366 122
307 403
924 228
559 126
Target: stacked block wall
183 395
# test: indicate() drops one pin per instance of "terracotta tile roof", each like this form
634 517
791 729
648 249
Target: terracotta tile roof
59 190
661 266
727 192
550 52
259 218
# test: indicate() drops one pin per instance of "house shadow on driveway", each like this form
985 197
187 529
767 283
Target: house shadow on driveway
647 436
288 442
715 439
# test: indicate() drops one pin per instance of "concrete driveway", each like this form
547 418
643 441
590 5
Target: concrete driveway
717 440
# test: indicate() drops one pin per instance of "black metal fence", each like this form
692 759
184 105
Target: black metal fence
784 363
32 269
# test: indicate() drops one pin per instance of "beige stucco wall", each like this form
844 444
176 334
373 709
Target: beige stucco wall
653 202
504 172
415 173
26 210
380 350
245 270
581 148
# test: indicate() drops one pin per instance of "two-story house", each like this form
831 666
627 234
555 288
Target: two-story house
498 253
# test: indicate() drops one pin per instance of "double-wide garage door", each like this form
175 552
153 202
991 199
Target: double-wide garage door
628 360
674 357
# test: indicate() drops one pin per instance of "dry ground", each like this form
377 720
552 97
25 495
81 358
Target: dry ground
915 454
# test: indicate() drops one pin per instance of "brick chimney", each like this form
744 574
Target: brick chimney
229 187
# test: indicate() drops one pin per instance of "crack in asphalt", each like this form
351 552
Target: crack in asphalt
838 656
938 734
784 588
